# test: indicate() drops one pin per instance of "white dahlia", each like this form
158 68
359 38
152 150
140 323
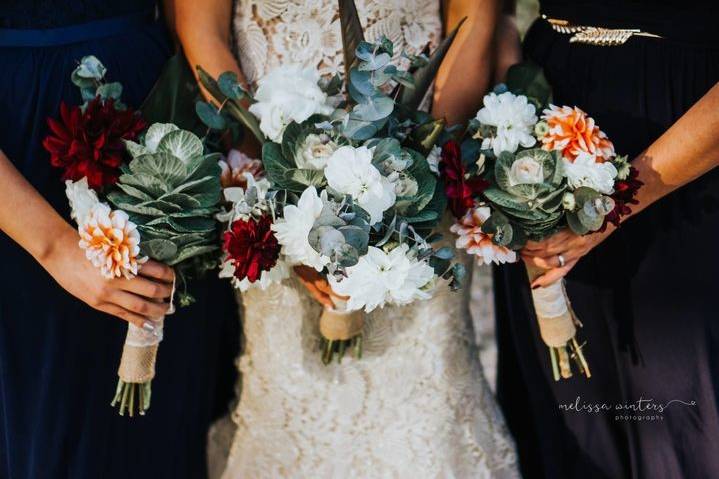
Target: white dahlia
350 171
585 170
82 199
381 278
279 272
293 230
513 116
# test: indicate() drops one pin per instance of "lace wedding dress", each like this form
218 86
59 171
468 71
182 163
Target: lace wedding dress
417 404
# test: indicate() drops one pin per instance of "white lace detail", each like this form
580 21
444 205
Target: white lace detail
417 404
272 32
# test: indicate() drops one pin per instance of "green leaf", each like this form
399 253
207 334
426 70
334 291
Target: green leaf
528 79
202 166
135 192
185 225
141 209
182 144
90 69
165 206
232 107
194 212
135 149
502 170
374 108
210 116
156 133
352 34
591 222
181 199
208 184
151 185
375 62
306 177
192 252
110 90
576 225
357 237
276 166
425 136
424 76
159 249
164 167
230 86
172 98
426 181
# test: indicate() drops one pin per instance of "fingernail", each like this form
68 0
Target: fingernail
148 326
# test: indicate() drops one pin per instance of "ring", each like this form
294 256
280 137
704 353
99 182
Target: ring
561 261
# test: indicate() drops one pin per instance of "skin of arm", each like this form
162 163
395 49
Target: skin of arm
31 222
466 72
204 32
669 163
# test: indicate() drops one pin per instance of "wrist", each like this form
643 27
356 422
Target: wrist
55 247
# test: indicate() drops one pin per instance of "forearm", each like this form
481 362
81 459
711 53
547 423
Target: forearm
25 216
466 71
689 149
204 32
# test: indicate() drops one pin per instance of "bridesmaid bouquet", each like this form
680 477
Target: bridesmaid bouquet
519 177
347 195
135 200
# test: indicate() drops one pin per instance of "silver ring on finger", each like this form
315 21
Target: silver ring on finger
561 260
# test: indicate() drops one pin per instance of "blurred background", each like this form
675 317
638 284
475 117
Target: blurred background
482 297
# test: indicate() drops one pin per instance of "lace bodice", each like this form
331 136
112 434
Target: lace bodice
416 404
270 32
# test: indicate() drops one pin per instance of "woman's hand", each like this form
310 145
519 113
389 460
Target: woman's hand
570 246
317 286
139 300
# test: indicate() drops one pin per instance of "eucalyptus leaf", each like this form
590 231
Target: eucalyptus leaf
230 86
110 90
210 116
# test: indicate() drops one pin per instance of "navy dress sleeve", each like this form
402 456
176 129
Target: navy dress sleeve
647 296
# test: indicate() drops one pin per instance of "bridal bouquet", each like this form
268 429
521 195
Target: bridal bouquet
154 198
345 193
518 176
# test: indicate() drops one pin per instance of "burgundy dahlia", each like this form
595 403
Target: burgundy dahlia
90 143
460 190
252 248
625 192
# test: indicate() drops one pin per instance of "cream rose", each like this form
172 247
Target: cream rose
315 151
526 171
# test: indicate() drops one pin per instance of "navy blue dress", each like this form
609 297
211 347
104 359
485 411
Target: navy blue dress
648 295
59 357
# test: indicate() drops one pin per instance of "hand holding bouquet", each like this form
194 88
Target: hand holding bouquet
164 200
348 198
517 177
